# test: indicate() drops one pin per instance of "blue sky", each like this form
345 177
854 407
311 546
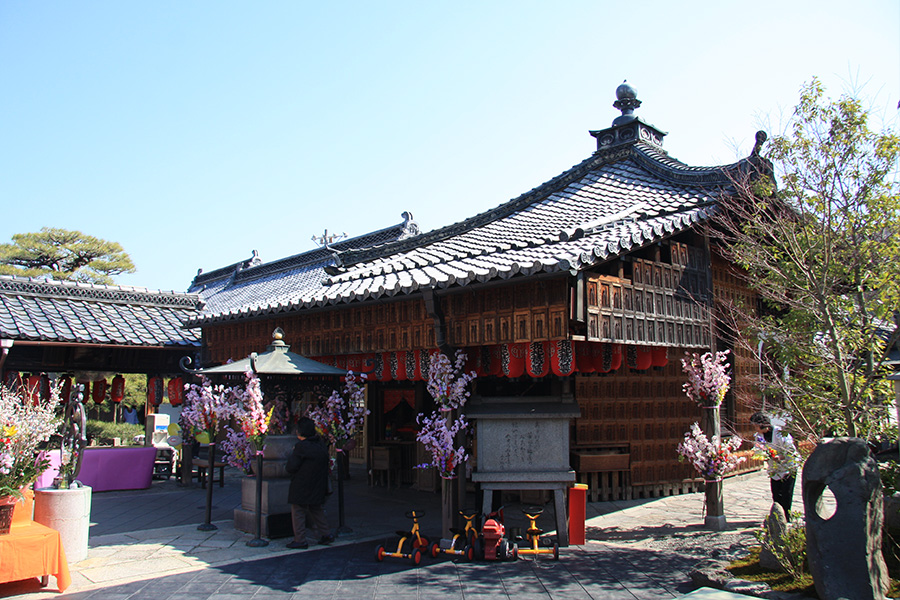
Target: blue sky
195 132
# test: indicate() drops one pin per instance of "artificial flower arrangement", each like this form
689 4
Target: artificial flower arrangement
340 418
782 458
208 408
240 445
26 422
708 378
712 459
447 382
447 385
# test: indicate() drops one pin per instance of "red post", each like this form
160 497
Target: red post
577 513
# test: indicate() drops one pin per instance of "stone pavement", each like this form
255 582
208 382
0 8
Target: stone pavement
635 549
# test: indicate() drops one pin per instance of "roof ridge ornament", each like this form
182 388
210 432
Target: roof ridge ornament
626 101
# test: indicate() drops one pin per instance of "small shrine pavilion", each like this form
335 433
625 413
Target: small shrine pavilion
586 290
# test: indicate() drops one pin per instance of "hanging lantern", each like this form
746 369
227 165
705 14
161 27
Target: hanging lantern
65 389
117 389
13 381
354 363
638 358
176 391
155 391
398 365
512 359
562 357
584 357
537 362
599 355
45 387
98 391
33 388
610 357
660 356
410 360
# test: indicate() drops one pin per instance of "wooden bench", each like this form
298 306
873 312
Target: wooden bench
202 466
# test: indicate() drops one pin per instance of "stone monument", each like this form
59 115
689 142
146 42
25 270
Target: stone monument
523 444
844 550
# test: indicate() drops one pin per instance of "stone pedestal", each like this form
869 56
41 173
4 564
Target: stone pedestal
276 512
69 512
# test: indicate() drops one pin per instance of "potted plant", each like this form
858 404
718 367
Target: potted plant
26 423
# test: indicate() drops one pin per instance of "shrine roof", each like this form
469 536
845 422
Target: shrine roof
38 309
628 194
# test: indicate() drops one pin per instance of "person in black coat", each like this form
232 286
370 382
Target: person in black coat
308 467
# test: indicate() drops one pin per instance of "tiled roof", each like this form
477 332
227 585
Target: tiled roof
615 202
65 311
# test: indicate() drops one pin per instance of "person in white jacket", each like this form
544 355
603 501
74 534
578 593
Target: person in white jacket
782 459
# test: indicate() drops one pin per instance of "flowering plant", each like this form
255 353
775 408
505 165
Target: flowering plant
782 458
26 422
712 459
208 407
708 378
342 416
438 435
447 382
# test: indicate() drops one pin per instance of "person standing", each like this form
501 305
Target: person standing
782 459
308 468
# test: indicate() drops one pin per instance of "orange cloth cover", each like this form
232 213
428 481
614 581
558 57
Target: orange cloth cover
33 550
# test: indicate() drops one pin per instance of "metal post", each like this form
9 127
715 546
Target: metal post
342 527
258 542
207 525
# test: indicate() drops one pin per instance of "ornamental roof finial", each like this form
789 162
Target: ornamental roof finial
626 101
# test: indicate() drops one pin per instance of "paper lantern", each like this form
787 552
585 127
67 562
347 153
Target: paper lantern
610 357
65 388
660 356
33 388
584 357
117 390
155 391
176 391
354 363
398 365
562 357
13 381
512 359
537 362
410 360
98 391
386 371
638 358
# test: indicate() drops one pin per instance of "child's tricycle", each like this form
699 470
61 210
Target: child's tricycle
417 541
464 542
533 535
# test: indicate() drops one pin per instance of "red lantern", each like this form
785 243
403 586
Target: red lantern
98 392
398 365
584 357
660 356
354 363
538 360
562 357
512 359
176 391
117 390
33 388
155 391
65 389
638 357
610 357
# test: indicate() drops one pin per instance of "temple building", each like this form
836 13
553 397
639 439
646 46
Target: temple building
589 288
